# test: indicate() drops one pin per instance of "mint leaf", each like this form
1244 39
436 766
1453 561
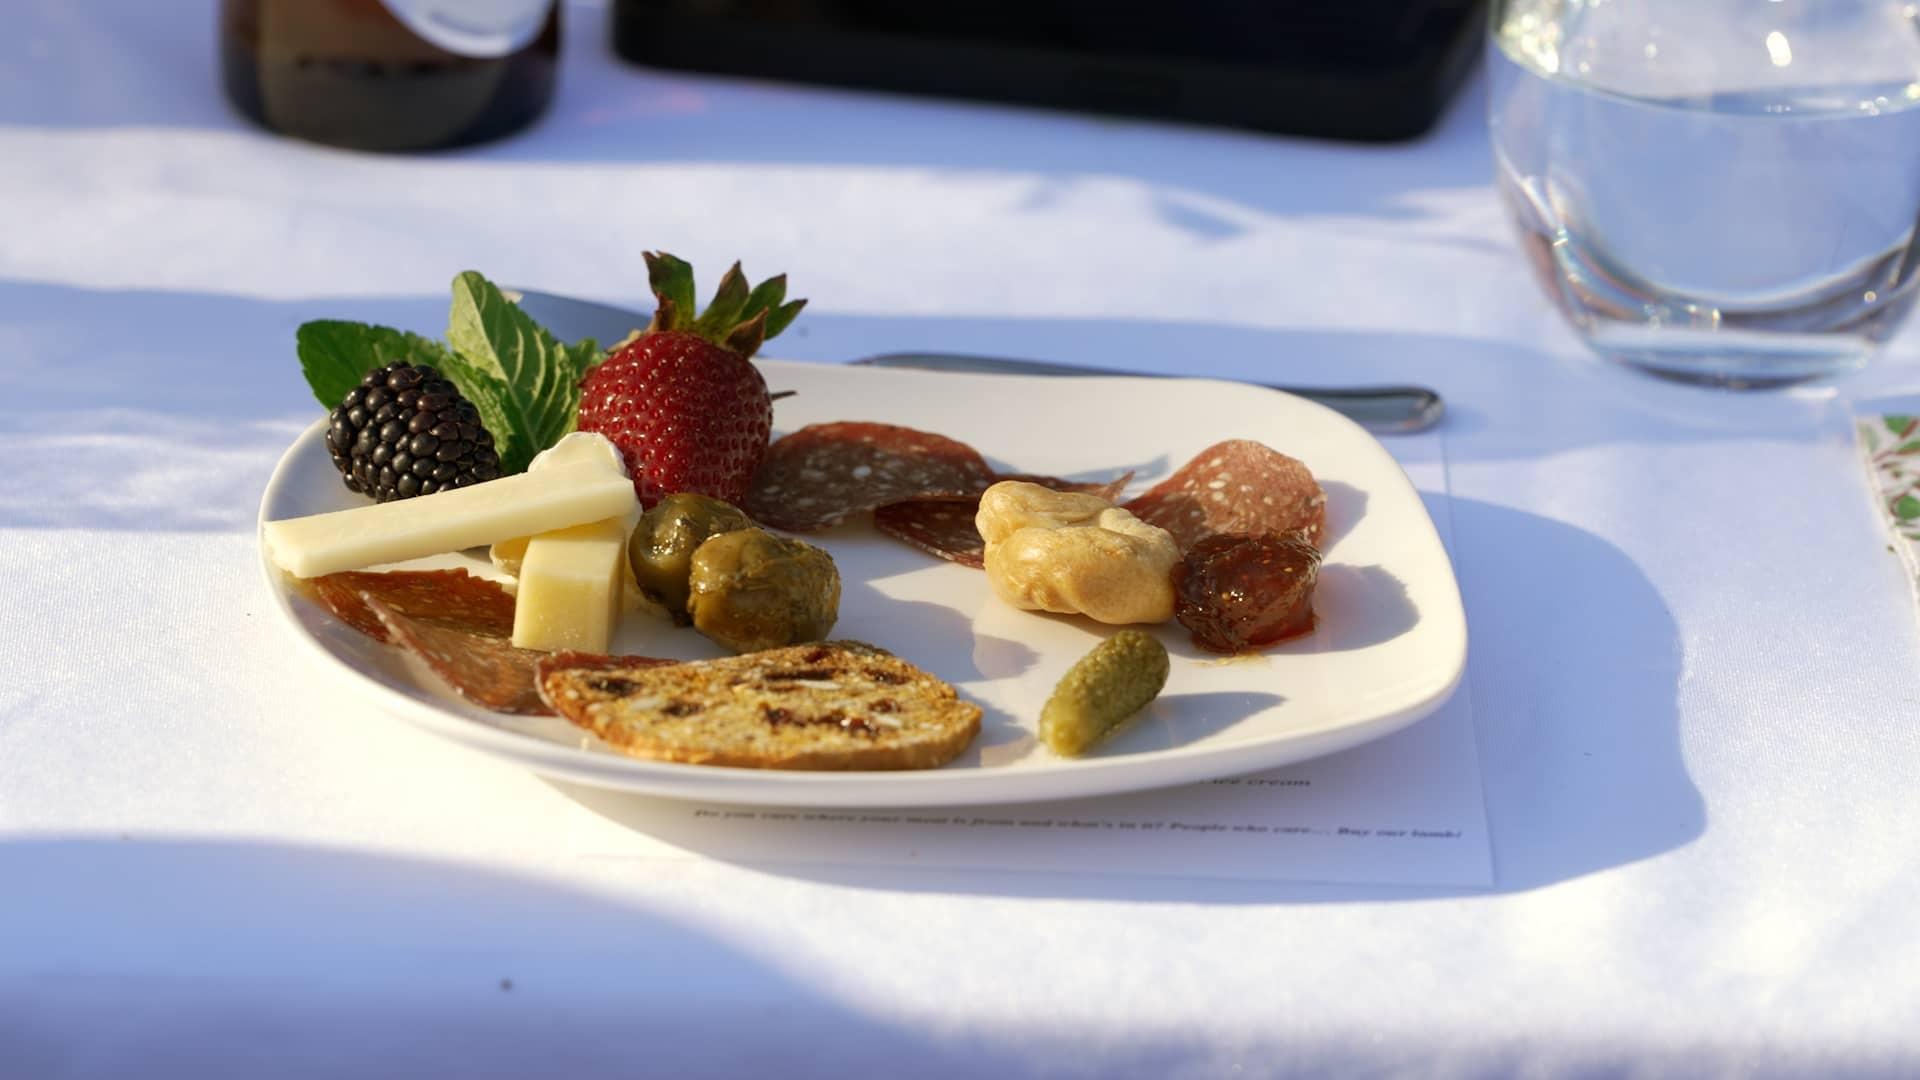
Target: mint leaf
1906 508
335 355
1898 423
525 384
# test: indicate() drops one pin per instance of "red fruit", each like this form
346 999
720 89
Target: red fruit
687 415
682 400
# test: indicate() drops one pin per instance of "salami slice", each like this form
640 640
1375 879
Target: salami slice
942 527
483 668
1236 488
450 598
945 527
825 473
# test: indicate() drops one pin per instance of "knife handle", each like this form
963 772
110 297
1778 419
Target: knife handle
1383 410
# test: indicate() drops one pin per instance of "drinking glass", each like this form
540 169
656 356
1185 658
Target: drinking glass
1717 191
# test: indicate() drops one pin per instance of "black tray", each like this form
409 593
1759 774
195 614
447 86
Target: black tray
1345 69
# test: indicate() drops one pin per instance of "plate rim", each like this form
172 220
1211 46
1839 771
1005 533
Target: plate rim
883 788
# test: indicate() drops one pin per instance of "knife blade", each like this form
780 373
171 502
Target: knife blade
1380 409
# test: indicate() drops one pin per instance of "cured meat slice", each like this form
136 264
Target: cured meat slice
1241 593
449 598
944 526
483 668
823 474
459 624
1236 488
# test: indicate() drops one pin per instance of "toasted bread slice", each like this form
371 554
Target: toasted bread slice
827 705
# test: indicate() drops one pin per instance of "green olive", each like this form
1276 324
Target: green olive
751 590
661 550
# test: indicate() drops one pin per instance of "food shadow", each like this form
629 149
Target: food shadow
1176 720
1358 607
1346 505
940 637
935 636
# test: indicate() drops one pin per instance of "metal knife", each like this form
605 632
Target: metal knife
1380 409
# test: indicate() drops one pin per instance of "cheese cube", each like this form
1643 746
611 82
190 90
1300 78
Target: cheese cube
529 503
570 585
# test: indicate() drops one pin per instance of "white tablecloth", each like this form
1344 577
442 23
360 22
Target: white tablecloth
1694 666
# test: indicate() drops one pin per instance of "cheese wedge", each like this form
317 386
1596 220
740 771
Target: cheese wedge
570 585
574 448
563 585
523 505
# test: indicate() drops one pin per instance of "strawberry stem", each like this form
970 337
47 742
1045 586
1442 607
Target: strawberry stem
728 302
740 319
672 281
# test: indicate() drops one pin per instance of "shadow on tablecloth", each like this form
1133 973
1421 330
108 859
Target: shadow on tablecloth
149 411
165 957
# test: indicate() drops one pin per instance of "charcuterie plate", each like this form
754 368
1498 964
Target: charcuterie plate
1389 647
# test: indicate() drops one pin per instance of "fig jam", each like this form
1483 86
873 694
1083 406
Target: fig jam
1242 593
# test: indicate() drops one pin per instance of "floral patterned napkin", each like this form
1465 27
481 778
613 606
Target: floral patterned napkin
1890 443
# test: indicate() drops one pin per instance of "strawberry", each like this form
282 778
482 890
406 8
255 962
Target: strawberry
681 399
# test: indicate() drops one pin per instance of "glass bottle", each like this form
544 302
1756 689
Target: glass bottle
390 74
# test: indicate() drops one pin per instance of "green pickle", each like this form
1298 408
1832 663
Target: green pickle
662 547
1111 683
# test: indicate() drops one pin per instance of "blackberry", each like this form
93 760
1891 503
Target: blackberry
406 431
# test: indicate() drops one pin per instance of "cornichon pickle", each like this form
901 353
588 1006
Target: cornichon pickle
751 590
1112 682
663 543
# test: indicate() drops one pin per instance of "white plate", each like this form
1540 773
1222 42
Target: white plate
1390 646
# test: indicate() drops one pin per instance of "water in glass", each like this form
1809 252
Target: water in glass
1720 191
